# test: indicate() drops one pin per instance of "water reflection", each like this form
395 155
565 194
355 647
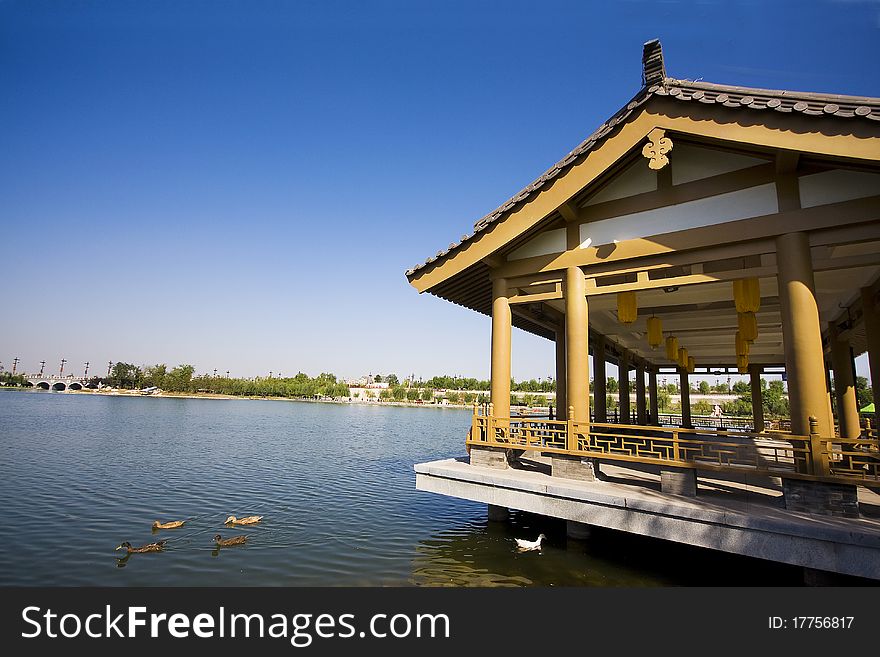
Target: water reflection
482 553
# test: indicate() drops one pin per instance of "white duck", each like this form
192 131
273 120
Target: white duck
525 545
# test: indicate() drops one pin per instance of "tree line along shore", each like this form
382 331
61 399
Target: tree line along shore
446 390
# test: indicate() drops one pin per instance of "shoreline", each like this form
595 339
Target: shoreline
209 395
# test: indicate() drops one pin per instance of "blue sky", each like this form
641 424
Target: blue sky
241 185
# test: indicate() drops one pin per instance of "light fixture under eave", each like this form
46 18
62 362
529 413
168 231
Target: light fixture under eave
672 348
742 345
627 307
747 295
655 332
748 326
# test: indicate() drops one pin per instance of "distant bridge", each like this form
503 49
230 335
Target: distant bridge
50 382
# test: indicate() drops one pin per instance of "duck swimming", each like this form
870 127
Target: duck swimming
248 520
525 546
227 542
150 547
174 524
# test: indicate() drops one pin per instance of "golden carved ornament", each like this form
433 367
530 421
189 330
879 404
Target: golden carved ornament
656 149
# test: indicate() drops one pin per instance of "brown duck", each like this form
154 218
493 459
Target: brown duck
149 547
174 524
247 520
228 542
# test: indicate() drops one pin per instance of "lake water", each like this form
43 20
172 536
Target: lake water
80 474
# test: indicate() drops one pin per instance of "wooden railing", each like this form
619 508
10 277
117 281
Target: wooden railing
809 456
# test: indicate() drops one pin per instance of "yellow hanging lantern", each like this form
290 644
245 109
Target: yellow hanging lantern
682 357
672 348
742 364
748 326
739 297
742 346
691 365
753 293
747 295
655 332
627 307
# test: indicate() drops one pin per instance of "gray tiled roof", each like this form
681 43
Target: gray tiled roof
790 102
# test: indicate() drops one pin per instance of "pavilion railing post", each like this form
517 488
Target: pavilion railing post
817 450
676 455
491 424
571 437
475 422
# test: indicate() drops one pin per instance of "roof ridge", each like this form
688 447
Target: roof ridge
776 93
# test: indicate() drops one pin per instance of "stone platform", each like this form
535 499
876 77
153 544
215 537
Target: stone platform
742 515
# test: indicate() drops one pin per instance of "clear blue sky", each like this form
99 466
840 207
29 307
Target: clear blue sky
241 185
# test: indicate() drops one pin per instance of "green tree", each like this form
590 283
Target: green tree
739 407
775 402
155 375
663 399
864 393
377 378
180 378
392 380
704 388
125 375
611 385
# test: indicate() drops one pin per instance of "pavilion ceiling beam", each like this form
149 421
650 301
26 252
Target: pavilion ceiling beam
855 211
544 322
570 212
787 161
677 281
538 296
667 196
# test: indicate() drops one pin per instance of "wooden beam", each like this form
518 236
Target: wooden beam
729 233
787 161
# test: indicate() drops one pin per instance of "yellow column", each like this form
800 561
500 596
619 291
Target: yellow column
684 384
802 337
653 389
600 393
623 387
757 397
871 312
844 385
641 410
561 393
576 346
500 349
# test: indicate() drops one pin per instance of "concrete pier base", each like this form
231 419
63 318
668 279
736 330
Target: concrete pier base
577 530
498 513
820 498
489 457
714 520
573 467
679 481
